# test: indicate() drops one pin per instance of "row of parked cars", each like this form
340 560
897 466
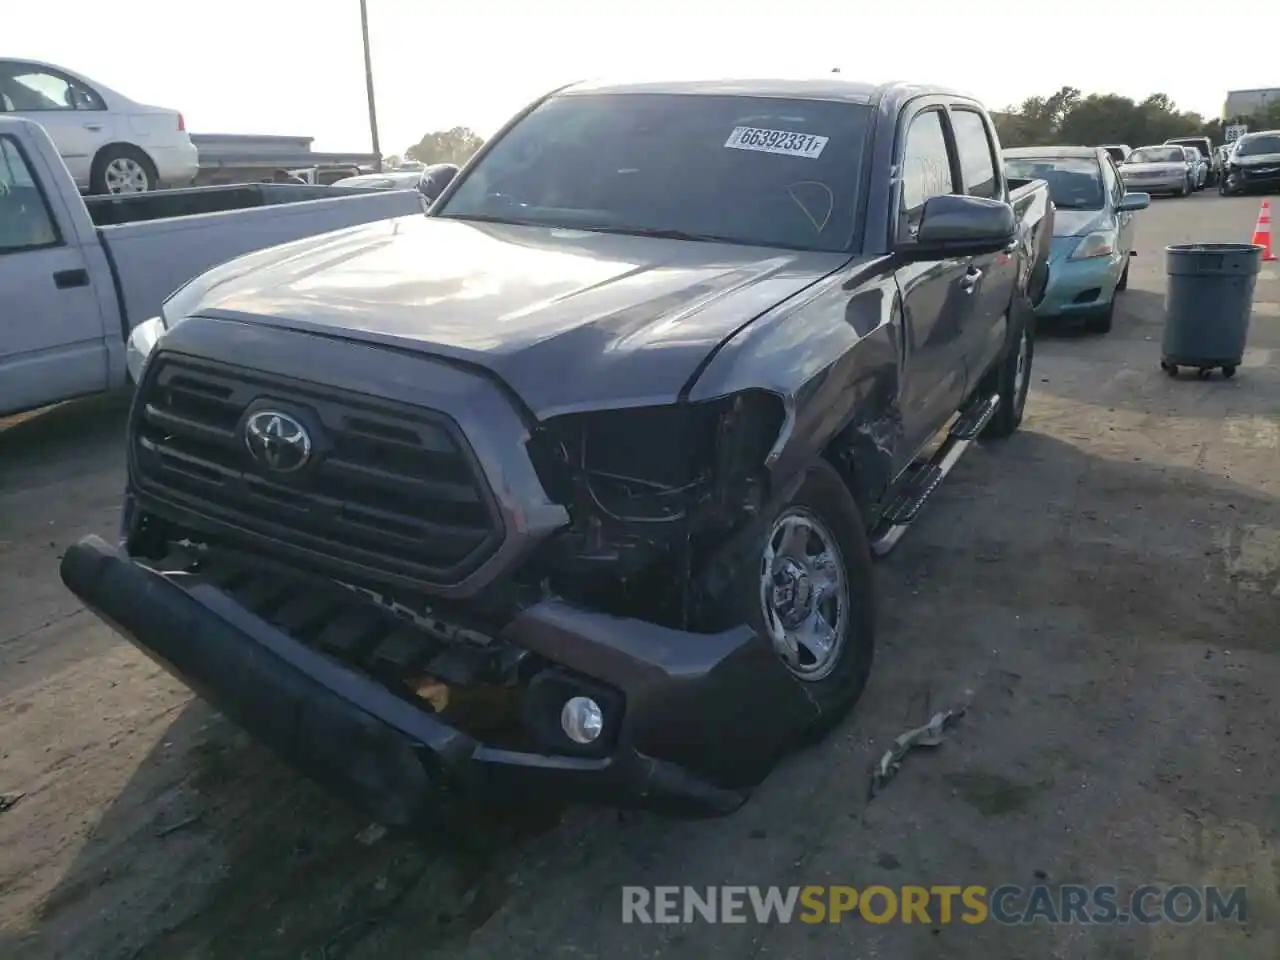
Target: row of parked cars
1180 166
1252 162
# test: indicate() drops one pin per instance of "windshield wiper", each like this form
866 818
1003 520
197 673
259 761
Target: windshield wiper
492 218
660 233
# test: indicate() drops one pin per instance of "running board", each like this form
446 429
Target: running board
926 479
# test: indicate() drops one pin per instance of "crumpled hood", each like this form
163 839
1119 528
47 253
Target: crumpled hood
568 319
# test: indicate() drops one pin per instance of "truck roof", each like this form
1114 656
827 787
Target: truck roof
1053 151
828 86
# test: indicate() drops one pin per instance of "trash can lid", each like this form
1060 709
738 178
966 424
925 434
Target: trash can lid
1215 248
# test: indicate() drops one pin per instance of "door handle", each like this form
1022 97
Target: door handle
970 280
66 279
95 127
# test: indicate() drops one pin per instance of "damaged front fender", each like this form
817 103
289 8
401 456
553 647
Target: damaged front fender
835 357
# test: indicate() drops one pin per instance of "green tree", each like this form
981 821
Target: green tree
446 146
1067 118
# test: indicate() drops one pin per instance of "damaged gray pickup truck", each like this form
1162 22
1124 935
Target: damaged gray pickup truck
574 483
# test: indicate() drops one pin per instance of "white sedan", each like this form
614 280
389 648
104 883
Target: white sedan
109 143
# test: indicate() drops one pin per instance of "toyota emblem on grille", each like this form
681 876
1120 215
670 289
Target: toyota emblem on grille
277 441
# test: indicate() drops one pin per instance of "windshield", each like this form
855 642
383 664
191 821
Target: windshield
752 170
1256 146
1075 183
1157 155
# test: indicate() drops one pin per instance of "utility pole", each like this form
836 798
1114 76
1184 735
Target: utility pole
368 83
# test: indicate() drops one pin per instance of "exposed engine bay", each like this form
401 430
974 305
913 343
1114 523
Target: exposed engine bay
656 495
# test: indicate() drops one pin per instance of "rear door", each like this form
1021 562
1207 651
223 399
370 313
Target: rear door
992 275
75 116
52 342
935 293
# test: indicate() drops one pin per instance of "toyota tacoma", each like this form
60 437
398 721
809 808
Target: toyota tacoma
573 484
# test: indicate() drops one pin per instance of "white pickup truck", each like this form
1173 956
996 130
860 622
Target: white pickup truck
76 275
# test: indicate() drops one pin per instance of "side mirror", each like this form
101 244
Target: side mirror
433 184
954 225
1134 201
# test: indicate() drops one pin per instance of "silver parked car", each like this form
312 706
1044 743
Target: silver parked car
1199 166
109 143
1158 169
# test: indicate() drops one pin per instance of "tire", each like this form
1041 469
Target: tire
122 169
1011 379
1123 284
1101 321
824 513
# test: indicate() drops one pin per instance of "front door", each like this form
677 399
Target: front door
936 295
74 116
51 328
1124 218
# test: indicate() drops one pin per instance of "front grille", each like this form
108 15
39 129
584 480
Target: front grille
391 488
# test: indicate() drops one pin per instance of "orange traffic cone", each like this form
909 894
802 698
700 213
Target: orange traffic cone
1262 231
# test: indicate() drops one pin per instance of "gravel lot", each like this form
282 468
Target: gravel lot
1107 584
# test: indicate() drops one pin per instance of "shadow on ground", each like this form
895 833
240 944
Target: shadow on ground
214 850
40 446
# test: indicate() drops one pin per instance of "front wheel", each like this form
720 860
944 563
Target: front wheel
1102 321
811 594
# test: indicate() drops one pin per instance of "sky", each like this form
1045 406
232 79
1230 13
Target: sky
271 66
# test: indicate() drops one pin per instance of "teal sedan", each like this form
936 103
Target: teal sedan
1092 230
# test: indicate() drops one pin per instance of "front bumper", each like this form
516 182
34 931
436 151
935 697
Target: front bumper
705 715
1244 179
1079 287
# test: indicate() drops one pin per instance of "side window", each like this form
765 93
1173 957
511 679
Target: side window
977 162
26 88
926 168
25 220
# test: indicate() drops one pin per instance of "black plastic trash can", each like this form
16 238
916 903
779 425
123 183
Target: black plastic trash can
1208 301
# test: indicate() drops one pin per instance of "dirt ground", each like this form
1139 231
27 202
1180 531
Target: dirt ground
1106 583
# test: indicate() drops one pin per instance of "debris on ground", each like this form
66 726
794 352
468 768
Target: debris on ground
175 827
930 735
9 800
371 834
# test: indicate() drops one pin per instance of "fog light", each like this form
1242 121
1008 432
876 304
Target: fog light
581 719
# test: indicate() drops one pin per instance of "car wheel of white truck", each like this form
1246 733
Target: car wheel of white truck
121 169
810 593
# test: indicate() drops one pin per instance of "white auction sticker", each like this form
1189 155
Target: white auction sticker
777 141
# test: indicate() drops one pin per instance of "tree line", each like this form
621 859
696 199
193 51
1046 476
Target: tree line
1068 117
441 146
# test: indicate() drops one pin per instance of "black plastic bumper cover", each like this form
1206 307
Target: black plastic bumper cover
717 703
